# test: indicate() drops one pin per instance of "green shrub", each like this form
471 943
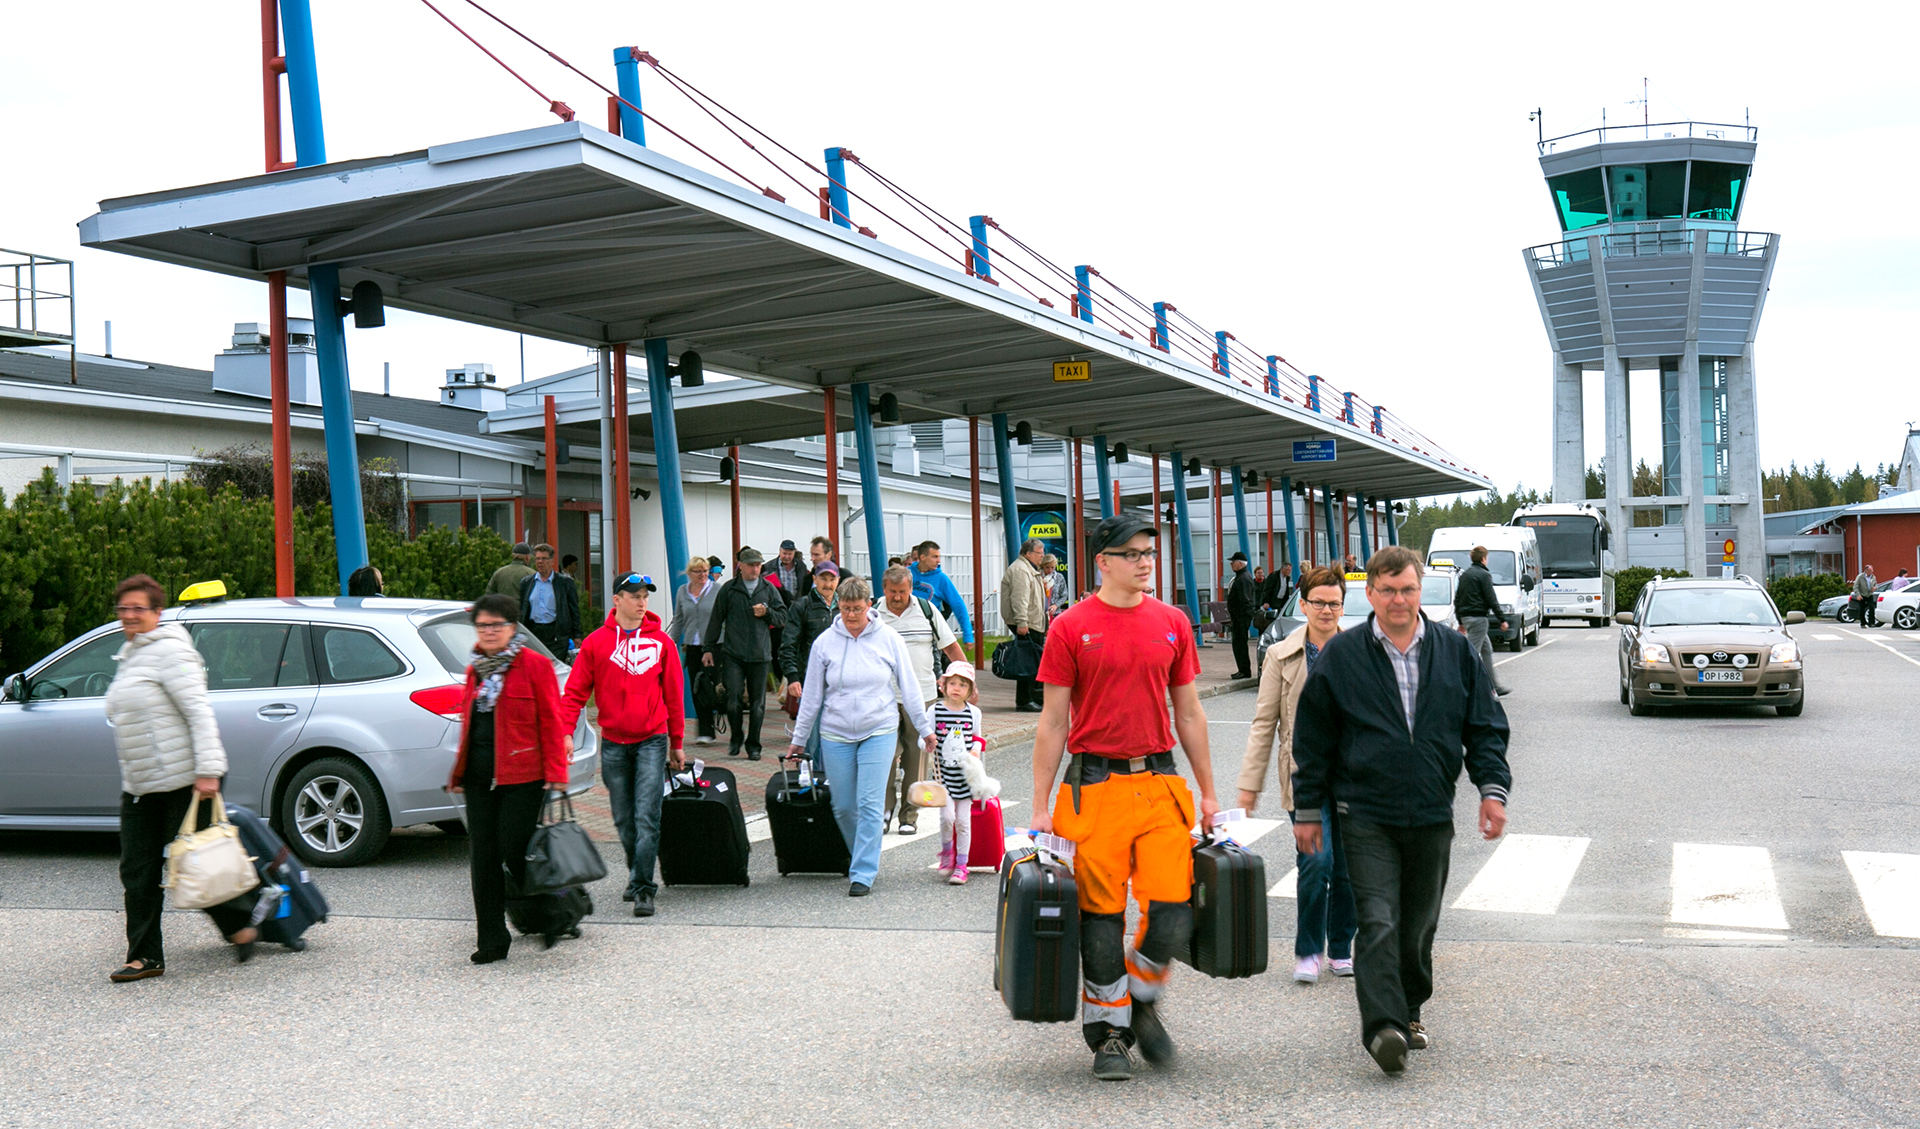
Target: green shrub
1628 581
1804 593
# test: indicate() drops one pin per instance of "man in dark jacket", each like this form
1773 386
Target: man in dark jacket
1477 606
745 614
1242 599
550 604
1379 732
1279 585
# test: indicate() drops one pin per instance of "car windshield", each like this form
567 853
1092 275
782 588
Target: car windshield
1436 590
450 638
1357 601
1677 607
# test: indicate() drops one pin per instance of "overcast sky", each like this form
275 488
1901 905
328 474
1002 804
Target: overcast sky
1348 187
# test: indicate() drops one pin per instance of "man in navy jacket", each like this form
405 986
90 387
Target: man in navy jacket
1385 722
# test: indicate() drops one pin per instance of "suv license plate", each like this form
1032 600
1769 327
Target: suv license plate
1720 676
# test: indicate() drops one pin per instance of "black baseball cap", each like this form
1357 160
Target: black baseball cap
633 582
789 545
1238 556
1116 531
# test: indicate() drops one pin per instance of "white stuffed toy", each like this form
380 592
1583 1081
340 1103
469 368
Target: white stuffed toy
954 750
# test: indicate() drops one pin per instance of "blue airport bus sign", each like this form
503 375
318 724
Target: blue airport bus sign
1314 450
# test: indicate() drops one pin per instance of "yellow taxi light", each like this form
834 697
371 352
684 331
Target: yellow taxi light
205 592
1356 576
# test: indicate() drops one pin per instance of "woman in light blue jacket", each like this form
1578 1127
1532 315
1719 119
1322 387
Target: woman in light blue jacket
851 674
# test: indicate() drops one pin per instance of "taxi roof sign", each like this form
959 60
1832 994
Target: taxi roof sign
205 592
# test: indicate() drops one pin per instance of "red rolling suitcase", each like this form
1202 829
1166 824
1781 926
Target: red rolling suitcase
989 835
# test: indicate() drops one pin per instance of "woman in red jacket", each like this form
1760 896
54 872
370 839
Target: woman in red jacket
512 750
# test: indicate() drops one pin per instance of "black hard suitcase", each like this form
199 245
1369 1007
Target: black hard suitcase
1229 911
703 835
557 914
297 903
1036 951
806 838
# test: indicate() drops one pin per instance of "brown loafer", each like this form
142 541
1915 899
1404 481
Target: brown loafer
136 970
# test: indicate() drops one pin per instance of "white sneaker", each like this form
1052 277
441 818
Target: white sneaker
1341 967
1308 970
703 741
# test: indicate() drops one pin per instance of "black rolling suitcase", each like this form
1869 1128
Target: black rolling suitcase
1036 951
703 835
555 915
806 838
295 902
1229 910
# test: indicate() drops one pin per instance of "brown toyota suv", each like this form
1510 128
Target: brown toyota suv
1713 642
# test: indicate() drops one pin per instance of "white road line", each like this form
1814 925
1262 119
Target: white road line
1828 638
1544 644
1527 874
1287 887
1889 887
1726 886
1884 647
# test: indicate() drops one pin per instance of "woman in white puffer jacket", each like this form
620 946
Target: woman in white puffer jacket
170 755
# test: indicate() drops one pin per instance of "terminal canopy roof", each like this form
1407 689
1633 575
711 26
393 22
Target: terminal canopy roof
571 233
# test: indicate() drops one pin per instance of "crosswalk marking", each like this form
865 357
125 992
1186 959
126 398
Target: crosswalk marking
1247 832
1527 874
1287 887
1828 638
1725 886
1889 887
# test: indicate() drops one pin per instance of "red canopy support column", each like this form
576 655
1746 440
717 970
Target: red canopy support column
282 428
1271 566
979 557
553 475
622 465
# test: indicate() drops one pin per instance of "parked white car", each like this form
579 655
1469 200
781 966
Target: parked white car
1900 608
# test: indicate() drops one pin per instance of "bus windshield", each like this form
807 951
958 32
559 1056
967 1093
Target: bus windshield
1500 562
1569 545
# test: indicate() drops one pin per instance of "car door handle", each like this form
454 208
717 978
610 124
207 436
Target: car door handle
278 711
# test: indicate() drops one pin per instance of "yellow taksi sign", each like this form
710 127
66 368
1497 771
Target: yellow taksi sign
1045 529
1072 370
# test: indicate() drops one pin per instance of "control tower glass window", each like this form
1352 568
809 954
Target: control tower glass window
1580 198
1715 191
1641 192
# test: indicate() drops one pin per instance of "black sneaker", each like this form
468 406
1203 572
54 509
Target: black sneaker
859 890
643 905
1389 1049
627 897
1111 1063
1156 1046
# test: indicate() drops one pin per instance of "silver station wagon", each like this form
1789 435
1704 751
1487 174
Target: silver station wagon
340 719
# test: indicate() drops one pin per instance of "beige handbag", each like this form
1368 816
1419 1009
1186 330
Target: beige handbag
927 794
206 868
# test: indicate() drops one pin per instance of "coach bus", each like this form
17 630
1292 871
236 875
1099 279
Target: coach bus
1576 560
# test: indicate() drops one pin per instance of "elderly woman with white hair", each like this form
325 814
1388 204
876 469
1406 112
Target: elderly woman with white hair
851 672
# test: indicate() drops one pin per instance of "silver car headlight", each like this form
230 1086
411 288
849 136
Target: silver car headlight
1787 652
1507 608
1654 654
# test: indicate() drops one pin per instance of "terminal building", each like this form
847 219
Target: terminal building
1652 274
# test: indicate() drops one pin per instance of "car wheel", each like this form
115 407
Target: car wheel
1907 618
1792 710
1519 641
1623 693
1637 707
1533 637
1845 614
335 813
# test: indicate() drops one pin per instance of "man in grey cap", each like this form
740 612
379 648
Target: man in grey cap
1242 598
506 579
745 614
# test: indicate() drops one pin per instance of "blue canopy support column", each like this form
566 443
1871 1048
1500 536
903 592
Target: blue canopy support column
870 509
1393 531
666 456
1187 574
1293 544
1105 475
633 127
1083 294
1009 500
1333 542
837 204
336 414
1366 542
1240 511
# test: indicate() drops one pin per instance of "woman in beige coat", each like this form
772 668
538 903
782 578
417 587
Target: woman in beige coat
170 758
1323 935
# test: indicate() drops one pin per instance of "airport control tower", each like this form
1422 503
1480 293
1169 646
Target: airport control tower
1653 273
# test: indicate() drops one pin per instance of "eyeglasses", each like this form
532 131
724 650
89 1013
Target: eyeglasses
1412 593
132 609
1324 605
490 624
1131 556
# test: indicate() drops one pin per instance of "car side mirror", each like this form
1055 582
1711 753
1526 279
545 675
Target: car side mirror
14 689
1526 584
1796 617
1624 619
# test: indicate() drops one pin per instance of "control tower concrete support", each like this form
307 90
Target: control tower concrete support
1653 273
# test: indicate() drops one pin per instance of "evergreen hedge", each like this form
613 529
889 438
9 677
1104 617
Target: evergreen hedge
1628 581
1804 593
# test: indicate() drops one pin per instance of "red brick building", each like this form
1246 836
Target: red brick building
1884 534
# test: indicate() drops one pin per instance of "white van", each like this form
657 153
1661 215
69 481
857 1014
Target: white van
1513 557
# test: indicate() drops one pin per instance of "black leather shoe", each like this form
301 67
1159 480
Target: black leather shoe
243 951
627 897
1156 1046
859 890
1030 707
127 973
643 906
1111 1063
1389 1049
753 756
485 956
733 750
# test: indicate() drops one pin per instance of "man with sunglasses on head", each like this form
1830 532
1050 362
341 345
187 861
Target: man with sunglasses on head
1111 664
631 669
1379 734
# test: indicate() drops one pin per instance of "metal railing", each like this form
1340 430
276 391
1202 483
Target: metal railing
1652 131
1648 241
27 282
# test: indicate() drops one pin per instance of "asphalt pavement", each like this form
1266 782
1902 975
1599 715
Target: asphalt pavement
1697 921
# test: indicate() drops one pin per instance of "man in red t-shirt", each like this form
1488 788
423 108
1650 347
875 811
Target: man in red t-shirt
1110 665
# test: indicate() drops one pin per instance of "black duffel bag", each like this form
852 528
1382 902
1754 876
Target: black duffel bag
1017 658
560 854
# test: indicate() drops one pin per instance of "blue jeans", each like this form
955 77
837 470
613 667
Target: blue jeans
1324 898
858 773
636 776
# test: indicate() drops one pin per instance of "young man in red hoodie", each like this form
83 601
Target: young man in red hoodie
632 669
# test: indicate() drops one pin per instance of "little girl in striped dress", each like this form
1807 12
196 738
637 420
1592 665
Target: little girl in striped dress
953 715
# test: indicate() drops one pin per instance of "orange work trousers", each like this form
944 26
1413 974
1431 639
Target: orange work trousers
1132 828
